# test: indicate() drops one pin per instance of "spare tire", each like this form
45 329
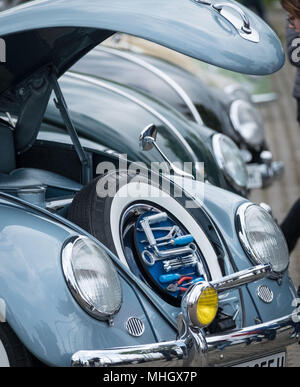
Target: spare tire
109 207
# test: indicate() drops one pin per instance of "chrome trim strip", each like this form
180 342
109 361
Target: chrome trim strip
98 82
160 74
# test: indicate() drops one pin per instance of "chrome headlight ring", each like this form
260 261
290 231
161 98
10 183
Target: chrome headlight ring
246 120
262 239
92 278
230 161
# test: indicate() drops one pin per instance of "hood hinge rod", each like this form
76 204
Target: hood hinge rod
61 105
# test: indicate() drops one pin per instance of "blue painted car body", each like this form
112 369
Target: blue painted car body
40 307
189 27
50 323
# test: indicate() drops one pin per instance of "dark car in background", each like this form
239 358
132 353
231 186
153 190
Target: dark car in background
5 4
231 112
113 115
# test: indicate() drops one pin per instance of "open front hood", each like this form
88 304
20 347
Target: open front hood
49 36
43 31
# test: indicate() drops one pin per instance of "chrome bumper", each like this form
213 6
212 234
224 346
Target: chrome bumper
267 172
252 342
196 349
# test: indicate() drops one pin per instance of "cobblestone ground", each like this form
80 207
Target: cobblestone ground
283 135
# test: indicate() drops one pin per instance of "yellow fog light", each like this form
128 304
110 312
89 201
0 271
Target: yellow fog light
201 304
207 306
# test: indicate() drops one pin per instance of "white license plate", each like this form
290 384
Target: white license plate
277 360
254 176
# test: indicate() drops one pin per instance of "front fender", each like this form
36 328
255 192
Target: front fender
221 206
39 306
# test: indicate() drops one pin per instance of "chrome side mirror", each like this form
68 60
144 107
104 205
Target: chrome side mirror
148 137
147 141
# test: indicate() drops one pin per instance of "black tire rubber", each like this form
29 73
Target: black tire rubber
87 208
92 212
17 354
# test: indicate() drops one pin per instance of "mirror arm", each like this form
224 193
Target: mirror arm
147 141
177 171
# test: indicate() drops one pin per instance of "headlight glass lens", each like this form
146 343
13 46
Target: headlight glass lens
262 238
247 121
92 278
230 160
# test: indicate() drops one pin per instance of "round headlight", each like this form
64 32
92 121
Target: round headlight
92 278
261 237
247 121
200 304
230 160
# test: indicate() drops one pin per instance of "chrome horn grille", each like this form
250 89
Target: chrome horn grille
265 294
135 327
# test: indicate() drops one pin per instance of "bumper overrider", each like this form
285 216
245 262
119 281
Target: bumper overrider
194 348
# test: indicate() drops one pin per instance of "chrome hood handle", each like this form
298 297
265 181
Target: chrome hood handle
246 27
236 16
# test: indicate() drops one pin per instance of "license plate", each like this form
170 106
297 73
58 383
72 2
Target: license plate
277 360
254 176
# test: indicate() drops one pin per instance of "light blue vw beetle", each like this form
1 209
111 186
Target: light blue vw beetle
120 269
